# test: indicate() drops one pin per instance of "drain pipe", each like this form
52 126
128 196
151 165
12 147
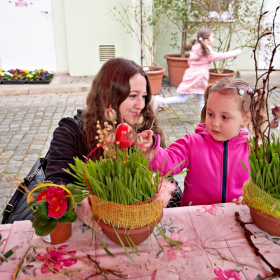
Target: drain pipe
141 33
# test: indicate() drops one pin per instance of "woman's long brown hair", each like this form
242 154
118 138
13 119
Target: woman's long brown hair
110 87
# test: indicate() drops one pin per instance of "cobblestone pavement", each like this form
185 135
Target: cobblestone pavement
27 123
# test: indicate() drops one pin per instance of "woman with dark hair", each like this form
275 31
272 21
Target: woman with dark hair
121 85
118 82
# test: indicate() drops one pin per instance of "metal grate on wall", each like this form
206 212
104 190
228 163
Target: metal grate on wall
106 52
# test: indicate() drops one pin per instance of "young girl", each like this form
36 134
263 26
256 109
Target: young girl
196 77
213 154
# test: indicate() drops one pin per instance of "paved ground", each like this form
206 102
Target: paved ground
27 123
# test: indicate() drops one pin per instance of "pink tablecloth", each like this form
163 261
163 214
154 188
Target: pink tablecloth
214 248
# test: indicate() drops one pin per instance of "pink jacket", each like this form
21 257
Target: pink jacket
215 172
196 77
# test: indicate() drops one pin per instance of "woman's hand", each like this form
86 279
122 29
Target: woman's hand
84 212
239 200
145 138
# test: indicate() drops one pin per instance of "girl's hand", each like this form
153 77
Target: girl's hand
84 212
145 138
239 200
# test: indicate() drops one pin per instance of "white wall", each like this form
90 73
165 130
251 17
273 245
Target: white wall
26 36
60 35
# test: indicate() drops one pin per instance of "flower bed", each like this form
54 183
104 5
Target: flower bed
18 76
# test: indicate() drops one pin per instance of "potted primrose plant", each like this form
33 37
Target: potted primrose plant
262 191
39 76
18 76
127 197
14 76
53 212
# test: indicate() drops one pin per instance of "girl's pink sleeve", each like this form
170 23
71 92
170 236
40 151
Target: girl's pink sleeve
214 56
172 156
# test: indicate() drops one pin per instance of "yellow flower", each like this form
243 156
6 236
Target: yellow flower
25 71
1 70
44 70
29 76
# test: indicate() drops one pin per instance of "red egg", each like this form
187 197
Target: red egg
124 134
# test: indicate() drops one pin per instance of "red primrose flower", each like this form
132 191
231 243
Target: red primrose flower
57 201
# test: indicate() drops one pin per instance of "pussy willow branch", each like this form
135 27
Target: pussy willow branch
249 235
273 25
102 271
259 101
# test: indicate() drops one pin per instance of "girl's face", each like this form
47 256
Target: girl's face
135 102
210 40
223 116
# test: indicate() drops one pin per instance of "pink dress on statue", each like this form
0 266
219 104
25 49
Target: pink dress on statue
196 77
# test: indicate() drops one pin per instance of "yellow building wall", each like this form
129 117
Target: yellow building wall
80 27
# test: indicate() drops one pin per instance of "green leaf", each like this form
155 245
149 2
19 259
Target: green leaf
127 253
104 246
31 204
43 226
167 174
41 210
77 193
68 217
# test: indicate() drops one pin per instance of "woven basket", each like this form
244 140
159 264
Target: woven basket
260 200
126 216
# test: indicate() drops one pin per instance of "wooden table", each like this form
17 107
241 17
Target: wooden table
214 247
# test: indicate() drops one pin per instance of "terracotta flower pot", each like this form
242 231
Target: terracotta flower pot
177 66
61 233
215 77
136 235
155 78
265 222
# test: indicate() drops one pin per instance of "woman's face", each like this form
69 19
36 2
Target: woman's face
135 102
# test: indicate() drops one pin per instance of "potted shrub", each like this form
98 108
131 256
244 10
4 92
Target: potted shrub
262 191
53 212
183 14
227 21
145 23
231 29
126 195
